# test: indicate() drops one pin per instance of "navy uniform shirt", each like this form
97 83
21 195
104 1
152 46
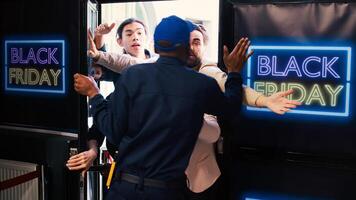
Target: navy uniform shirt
93 132
156 112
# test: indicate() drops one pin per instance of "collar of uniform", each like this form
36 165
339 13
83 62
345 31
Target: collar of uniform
170 60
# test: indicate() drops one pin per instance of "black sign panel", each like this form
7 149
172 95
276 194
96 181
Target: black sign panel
40 52
308 47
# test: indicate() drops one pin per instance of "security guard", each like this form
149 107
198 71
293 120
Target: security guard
156 112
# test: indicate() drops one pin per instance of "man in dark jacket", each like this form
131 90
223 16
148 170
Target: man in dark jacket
156 112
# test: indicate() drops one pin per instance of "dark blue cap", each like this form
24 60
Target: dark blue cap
173 32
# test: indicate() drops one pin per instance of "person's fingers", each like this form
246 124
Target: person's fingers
75 159
76 75
285 110
237 46
286 93
226 51
246 48
73 164
78 89
298 103
77 85
78 167
90 53
112 26
241 51
72 157
101 27
290 106
77 80
77 156
249 55
81 163
96 29
80 81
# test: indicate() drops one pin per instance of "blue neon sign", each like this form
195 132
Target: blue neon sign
319 75
35 66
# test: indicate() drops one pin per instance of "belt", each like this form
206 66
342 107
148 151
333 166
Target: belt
150 182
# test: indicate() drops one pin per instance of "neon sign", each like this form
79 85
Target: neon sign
35 66
320 77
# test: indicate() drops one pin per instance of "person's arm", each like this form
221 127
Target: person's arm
100 72
228 104
210 130
249 95
215 72
84 160
119 62
99 33
110 118
110 115
114 61
277 102
95 134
